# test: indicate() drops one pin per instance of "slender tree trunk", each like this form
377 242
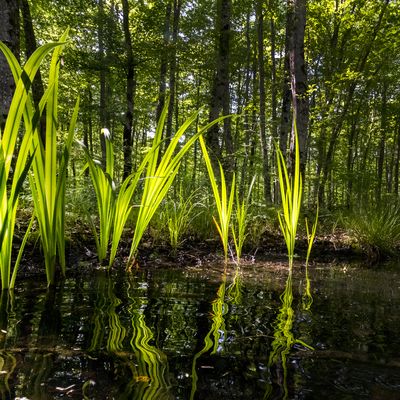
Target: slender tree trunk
298 79
104 120
246 123
130 92
328 162
220 97
262 98
173 70
286 93
9 34
30 46
274 102
382 139
164 62
397 162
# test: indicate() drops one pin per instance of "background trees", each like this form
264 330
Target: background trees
246 57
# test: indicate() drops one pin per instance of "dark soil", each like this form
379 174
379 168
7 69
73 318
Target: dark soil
82 258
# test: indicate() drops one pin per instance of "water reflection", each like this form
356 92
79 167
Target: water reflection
180 334
216 335
284 339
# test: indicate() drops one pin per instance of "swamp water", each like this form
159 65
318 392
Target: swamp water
197 334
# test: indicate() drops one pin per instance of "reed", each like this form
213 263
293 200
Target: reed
160 174
21 106
223 202
156 171
307 297
239 227
177 216
291 193
48 181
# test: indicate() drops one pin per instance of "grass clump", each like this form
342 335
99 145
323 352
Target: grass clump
376 229
50 206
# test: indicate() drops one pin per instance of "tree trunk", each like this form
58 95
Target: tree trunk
262 98
164 62
381 148
328 162
104 120
397 162
9 34
130 92
220 97
173 70
30 46
298 79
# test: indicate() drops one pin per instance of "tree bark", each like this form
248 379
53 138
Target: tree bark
298 79
104 120
262 99
164 62
30 47
130 92
173 70
381 148
220 96
10 35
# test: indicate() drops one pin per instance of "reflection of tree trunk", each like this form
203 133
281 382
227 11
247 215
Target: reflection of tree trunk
261 74
9 34
130 92
30 45
220 98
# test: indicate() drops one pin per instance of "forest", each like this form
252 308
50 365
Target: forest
250 77
199 199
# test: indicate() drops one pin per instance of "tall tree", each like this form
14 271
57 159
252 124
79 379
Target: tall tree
220 95
164 61
30 47
130 91
298 77
262 100
10 35
173 68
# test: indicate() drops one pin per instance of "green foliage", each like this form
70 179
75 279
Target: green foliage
21 106
48 181
161 174
177 215
291 192
113 207
223 203
376 228
241 221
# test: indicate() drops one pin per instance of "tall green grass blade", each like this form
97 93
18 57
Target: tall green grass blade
20 106
291 194
159 177
223 203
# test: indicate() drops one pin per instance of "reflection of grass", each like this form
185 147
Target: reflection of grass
235 288
283 337
216 335
7 367
150 374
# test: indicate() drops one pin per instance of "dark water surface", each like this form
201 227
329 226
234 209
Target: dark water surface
189 333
